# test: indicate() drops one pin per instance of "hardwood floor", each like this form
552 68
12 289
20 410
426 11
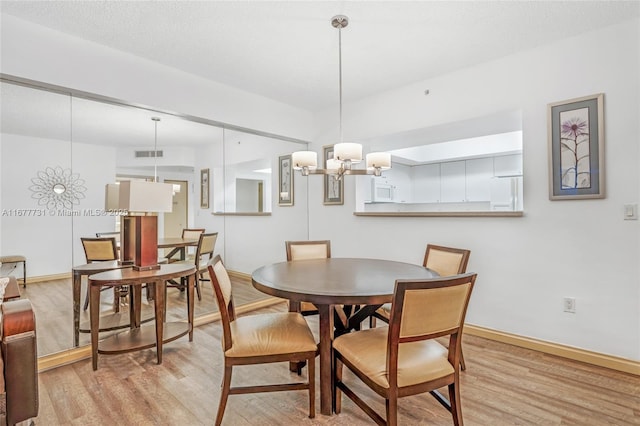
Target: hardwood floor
503 385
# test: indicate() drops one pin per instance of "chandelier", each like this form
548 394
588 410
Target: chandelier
345 154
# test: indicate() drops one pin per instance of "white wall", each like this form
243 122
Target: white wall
583 248
31 229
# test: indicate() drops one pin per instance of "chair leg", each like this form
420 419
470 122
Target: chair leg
311 371
86 300
372 322
391 405
454 400
116 299
197 284
224 394
337 393
463 366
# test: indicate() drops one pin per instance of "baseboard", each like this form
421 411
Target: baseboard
247 307
239 275
42 278
570 352
58 359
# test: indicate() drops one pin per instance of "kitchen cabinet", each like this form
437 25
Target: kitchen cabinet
452 182
478 175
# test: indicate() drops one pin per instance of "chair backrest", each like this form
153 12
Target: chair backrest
305 250
224 298
446 261
426 309
192 233
100 249
206 244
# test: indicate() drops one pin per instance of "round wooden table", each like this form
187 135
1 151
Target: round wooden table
138 337
335 281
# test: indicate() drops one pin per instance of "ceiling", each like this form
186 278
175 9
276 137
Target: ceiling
288 51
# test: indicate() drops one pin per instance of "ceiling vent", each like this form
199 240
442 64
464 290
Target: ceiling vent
148 154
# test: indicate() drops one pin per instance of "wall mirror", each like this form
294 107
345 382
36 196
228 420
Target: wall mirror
58 150
468 167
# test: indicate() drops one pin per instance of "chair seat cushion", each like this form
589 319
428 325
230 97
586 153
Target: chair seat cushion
270 334
418 362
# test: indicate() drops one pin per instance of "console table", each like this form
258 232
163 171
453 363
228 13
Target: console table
140 337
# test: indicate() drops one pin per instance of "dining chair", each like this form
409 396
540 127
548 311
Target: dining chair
446 261
405 358
192 234
102 249
204 252
260 339
306 250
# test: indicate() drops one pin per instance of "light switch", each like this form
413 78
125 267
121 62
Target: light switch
630 212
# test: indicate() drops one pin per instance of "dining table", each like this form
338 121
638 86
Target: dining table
116 321
368 283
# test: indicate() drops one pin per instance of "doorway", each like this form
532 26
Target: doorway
176 220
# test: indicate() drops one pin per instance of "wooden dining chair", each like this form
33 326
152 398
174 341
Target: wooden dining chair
204 253
260 339
192 234
306 250
446 261
405 358
102 249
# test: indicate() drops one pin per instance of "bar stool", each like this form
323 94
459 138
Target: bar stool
15 259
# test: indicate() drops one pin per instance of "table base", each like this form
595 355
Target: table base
142 338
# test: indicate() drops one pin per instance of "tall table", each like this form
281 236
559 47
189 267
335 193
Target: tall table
179 246
334 281
140 337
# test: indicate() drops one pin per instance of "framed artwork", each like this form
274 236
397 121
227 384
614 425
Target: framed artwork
576 148
285 180
333 188
204 188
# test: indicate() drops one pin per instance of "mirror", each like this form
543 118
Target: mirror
76 146
474 166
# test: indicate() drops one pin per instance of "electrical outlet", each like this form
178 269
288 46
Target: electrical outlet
570 305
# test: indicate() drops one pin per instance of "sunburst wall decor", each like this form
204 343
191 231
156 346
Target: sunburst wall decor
56 188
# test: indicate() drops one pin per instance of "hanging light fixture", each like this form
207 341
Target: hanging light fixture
345 154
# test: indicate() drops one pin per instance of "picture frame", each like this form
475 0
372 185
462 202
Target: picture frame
285 181
333 188
204 188
576 148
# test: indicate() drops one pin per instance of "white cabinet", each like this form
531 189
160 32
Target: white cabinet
507 165
426 183
452 182
479 172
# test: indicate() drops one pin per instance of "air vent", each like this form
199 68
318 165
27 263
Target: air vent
148 154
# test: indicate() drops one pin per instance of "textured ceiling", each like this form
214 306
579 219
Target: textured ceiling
288 51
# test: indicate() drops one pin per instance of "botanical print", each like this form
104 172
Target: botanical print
285 196
575 155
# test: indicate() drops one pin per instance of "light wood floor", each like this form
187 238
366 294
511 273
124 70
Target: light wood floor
503 385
